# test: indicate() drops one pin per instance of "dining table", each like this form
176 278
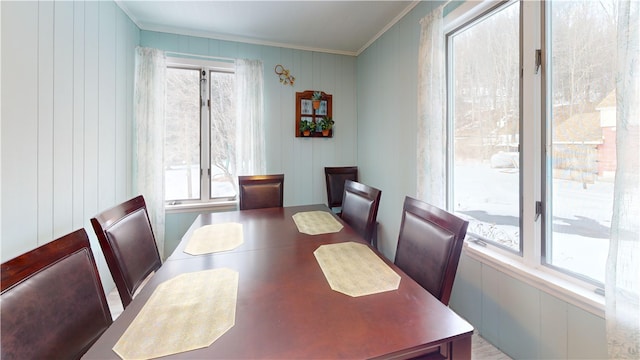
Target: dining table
283 302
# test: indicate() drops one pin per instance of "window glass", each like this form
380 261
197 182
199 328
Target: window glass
223 133
484 108
581 131
182 134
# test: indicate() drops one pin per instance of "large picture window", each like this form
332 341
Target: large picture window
566 99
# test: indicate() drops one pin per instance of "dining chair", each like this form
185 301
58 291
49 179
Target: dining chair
360 208
129 246
261 191
429 246
335 178
52 304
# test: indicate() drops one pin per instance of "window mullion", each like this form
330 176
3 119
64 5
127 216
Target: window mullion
205 171
530 130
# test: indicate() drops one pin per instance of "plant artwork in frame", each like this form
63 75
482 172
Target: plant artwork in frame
306 112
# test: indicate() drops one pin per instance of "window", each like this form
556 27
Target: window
581 135
554 208
199 133
486 126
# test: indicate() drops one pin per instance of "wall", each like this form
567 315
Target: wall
522 320
67 90
302 160
387 113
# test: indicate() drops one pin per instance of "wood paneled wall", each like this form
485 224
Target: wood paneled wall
67 105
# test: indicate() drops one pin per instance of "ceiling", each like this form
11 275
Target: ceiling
340 27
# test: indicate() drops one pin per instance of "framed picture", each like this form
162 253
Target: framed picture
306 110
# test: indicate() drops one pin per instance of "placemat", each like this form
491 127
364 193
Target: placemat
316 222
355 270
187 312
215 238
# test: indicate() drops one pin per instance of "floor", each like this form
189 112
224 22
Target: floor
480 348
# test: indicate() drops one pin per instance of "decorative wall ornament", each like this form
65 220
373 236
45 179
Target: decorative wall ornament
285 76
311 121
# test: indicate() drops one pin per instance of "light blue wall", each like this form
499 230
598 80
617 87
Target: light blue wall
67 90
522 320
302 160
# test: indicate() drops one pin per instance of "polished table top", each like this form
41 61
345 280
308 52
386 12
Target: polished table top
286 309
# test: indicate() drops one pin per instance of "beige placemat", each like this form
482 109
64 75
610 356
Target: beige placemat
316 222
188 312
214 238
355 270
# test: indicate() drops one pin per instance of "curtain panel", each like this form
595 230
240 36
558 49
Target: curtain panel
622 281
150 85
250 157
431 142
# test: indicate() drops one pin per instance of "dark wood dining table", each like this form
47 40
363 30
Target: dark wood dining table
286 308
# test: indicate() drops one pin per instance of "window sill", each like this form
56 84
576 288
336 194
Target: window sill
542 279
202 207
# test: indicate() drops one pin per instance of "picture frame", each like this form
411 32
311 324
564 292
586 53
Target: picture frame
306 112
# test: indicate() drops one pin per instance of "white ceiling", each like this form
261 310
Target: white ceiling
341 27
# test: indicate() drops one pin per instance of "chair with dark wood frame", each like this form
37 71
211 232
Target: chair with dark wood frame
261 191
129 246
52 301
360 208
429 246
335 178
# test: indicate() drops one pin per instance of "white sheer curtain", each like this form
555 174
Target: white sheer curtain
622 288
149 101
432 137
250 158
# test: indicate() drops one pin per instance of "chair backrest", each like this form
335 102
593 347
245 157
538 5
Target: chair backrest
52 302
429 246
261 191
335 178
360 208
129 246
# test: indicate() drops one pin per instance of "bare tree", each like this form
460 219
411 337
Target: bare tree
182 121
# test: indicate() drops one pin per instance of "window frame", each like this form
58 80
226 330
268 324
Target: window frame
527 265
460 23
205 201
